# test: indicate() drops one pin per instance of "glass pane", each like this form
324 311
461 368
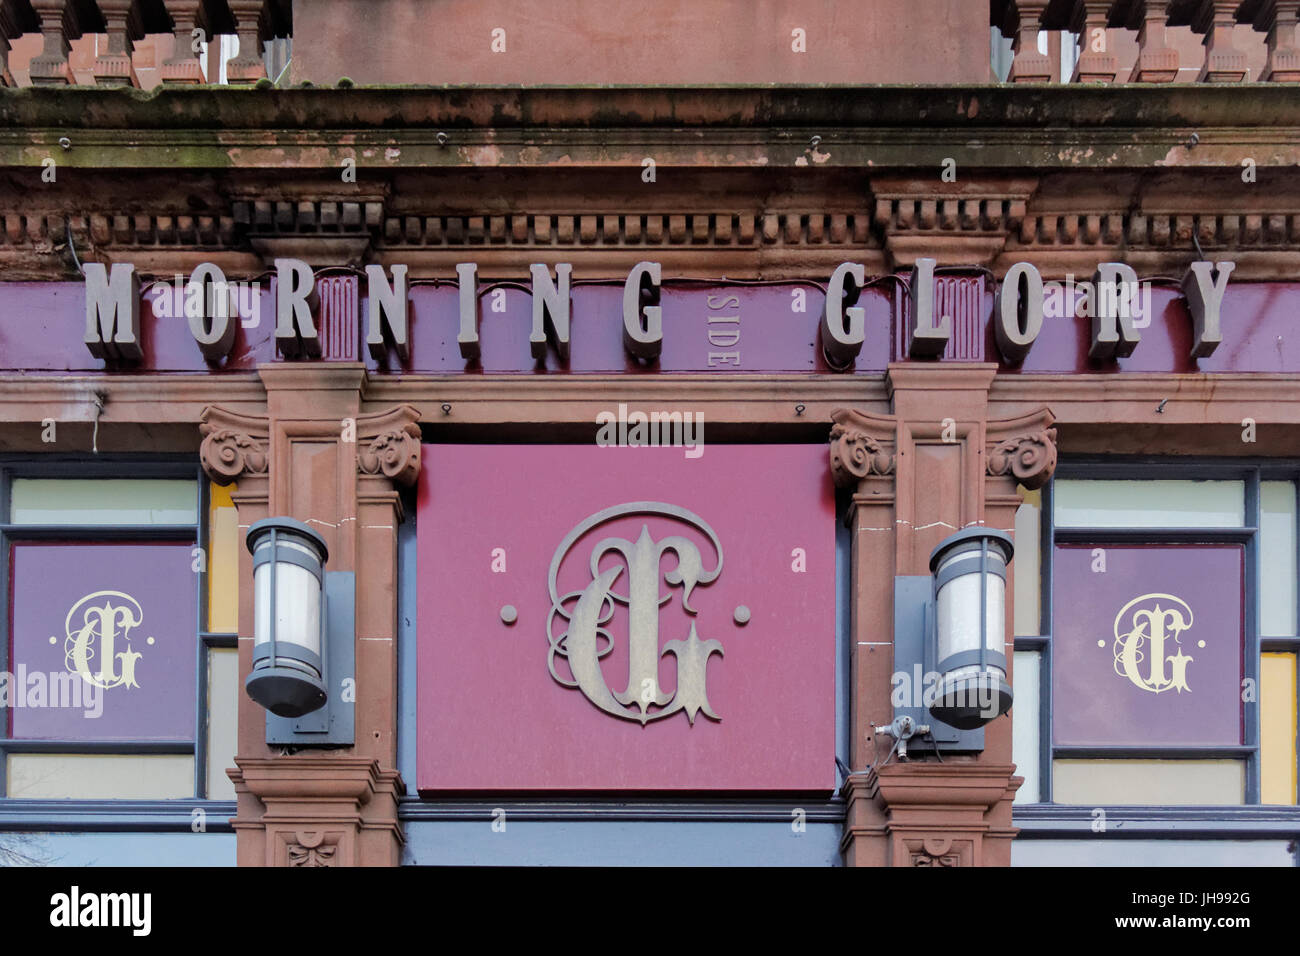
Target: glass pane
1147 644
103 641
1129 852
223 562
1277 728
223 702
1277 564
1149 504
1024 723
1148 782
102 501
1026 578
100 776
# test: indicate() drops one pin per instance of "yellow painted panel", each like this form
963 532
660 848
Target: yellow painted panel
223 562
223 702
1146 783
1277 728
100 776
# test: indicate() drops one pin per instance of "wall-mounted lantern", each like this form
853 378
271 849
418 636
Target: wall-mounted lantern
950 664
288 587
303 635
970 594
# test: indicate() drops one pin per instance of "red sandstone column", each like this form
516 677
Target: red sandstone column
951 468
318 458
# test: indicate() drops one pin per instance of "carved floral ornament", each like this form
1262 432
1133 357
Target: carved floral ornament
1030 459
233 445
227 454
855 451
394 453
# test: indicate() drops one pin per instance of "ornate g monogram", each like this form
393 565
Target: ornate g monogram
93 627
581 643
1142 627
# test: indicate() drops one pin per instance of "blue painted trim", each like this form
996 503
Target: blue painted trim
407 683
49 746
843 629
724 809
1212 822
1156 467
1046 559
1156 753
114 815
1074 535
201 711
1251 613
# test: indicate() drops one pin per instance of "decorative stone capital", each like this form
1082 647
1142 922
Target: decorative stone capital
389 444
1023 448
233 445
861 445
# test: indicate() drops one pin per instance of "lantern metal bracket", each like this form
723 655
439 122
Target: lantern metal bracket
333 725
915 670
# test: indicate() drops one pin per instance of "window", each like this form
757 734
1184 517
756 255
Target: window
1156 647
118 668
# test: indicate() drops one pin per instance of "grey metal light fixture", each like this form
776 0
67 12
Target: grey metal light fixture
288 607
950 665
970 589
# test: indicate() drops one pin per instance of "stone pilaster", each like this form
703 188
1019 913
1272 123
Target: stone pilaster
320 458
935 466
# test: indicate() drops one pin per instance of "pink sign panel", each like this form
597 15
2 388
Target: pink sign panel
626 618
1147 647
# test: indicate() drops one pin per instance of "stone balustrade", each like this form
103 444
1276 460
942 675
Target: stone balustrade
1102 28
139 43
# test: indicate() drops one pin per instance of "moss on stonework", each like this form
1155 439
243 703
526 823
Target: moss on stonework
877 127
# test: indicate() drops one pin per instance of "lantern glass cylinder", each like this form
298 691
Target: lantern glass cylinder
970 584
288 574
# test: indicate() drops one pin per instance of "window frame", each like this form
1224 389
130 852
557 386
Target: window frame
1251 818
99 813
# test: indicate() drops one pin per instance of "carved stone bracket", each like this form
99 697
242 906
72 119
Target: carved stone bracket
389 444
1023 448
861 445
233 445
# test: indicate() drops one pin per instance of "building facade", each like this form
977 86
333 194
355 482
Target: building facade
631 367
